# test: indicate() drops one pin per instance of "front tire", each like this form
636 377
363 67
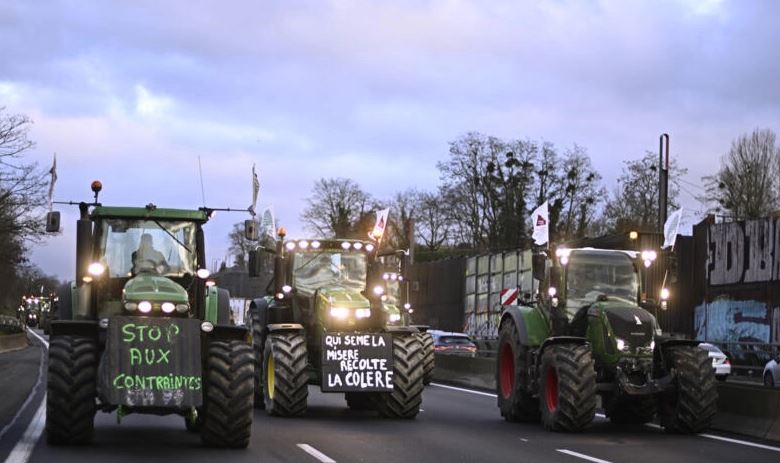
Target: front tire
568 388
515 403
428 357
71 390
285 381
227 401
689 408
405 399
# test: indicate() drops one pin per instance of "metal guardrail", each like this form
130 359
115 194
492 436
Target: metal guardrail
10 325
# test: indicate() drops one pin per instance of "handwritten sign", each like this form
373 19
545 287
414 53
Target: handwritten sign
152 362
353 362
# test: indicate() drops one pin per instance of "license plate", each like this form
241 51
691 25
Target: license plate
357 362
152 362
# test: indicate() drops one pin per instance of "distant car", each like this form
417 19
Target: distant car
720 362
772 372
447 342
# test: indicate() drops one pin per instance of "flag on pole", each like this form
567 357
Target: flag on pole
53 173
671 227
381 223
541 220
255 190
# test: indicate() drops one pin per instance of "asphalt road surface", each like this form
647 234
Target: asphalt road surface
455 425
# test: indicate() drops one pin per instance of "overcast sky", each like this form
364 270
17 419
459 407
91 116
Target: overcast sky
132 93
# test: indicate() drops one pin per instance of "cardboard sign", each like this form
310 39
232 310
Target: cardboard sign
152 362
357 362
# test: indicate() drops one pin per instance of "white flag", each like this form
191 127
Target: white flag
255 190
381 223
541 220
671 227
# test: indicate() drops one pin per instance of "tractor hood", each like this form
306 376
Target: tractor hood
630 322
339 296
154 288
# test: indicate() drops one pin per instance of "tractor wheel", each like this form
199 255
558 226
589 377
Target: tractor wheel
285 381
360 400
428 358
257 347
227 395
690 406
638 410
567 388
515 403
405 399
71 390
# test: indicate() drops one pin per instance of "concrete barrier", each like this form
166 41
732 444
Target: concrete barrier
743 409
10 342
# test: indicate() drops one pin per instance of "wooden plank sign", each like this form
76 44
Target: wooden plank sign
357 362
152 362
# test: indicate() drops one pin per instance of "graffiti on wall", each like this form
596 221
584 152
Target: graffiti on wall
482 325
743 252
726 320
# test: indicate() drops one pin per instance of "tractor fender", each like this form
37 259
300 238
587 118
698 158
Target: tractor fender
421 328
577 340
401 329
87 328
284 327
513 315
663 343
260 307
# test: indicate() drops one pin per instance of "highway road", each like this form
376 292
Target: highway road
456 425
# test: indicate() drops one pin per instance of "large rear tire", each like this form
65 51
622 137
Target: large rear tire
71 390
285 381
227 401
428 357
567 388
689 408
515 403
257 346
405 399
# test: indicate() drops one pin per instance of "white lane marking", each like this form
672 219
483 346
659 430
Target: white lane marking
651 425
30 395
583 456
464 390
23 449
316 453
740 442
523 439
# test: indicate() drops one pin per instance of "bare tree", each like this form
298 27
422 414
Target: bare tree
634 202
239 245
335 207
747 186
434 224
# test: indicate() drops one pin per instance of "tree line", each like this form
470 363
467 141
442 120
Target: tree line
22 207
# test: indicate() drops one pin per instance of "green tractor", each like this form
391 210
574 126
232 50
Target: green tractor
322 324
391 273
142 330
593 335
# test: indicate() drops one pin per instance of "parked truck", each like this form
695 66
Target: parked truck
591 333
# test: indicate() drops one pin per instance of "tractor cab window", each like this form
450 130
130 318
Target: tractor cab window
594 274
129 247
393 292
329 267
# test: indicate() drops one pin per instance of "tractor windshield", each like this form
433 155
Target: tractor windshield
314 269
393 292
128 247
591 274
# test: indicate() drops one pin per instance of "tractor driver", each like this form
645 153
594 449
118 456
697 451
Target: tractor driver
146 258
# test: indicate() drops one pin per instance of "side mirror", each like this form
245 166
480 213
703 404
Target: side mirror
250 230
53 222
252 264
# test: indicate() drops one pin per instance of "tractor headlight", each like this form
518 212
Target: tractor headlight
145 306
358 246
96 269
203 273
181 308
395 317
339 312
362 313
168 307
378 290
131 306
369 247
621 344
